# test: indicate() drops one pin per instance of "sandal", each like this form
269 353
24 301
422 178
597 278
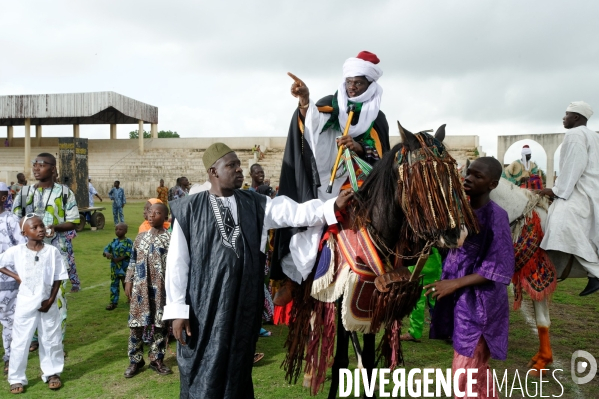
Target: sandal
265 333
258 357
34 346
111 306
6 367
54 382
16 388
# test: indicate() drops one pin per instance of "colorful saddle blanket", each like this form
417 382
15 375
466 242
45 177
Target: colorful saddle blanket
347 267
534 272
534 183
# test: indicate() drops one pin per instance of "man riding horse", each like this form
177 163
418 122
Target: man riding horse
309 157
310 152
567 229
573 221
524 172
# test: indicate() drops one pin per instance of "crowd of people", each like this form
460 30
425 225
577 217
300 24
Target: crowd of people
42 217
197 266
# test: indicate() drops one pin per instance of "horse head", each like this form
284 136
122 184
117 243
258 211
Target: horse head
414 196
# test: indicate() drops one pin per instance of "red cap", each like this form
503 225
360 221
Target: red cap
368 56
525 146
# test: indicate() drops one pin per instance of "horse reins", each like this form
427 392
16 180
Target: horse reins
374 238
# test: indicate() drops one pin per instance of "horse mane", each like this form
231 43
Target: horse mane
519 203
373 205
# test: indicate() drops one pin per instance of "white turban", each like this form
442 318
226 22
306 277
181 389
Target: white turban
358 67
580 107
526 151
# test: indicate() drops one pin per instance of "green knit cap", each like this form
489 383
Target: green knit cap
215 152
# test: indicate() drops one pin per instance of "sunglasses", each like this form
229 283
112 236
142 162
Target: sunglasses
27 217
35 163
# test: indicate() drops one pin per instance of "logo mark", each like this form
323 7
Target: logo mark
579 366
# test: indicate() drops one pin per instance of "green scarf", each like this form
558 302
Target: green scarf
333 122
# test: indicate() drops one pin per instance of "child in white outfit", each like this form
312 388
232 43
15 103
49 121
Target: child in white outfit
40 271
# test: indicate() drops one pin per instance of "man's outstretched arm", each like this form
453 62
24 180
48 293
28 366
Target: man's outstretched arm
284 212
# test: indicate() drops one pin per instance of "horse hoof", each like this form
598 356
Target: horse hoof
540 365
536 372
533 360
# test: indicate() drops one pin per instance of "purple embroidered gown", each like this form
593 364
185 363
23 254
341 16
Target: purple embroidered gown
483 309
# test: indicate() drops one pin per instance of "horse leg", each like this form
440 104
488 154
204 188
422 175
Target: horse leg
341 360
544 356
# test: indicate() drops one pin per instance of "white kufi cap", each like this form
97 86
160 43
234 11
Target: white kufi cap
580 107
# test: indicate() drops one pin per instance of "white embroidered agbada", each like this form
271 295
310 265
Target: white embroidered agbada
573 221
37 277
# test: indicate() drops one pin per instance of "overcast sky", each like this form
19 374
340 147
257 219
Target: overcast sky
219 68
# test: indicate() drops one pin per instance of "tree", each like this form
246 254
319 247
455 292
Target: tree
163 134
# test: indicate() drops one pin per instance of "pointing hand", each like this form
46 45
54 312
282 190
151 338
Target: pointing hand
299 89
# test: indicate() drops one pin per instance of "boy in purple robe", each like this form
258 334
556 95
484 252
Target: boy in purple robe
472 302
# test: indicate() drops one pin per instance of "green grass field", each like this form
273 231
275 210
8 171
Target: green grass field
96 340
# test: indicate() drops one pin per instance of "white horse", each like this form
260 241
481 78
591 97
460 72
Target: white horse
520 205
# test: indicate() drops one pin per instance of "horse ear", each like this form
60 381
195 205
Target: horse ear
408 138
440 133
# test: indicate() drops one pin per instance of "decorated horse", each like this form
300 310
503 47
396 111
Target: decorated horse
537 271
410 200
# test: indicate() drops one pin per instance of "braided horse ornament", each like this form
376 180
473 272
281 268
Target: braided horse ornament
412 199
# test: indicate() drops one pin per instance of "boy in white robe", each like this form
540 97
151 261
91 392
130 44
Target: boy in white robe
39 271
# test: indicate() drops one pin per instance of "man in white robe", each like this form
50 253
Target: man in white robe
92 193
573 221
321 125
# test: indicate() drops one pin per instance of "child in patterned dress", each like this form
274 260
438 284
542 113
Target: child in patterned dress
119 253
145 287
